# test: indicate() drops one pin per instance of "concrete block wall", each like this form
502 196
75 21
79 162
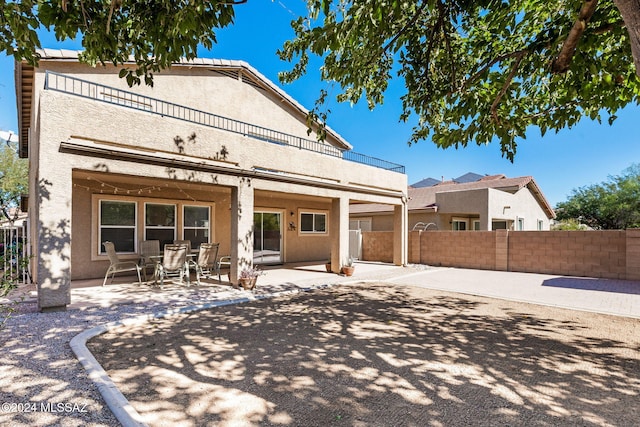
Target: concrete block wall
612 254
414 247
575 253
458 249
633 254
377 246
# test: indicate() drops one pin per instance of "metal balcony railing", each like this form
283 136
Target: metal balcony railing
86 89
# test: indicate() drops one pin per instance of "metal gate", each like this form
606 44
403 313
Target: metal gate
15 252
355 244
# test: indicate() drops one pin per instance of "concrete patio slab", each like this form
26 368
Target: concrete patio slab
608 296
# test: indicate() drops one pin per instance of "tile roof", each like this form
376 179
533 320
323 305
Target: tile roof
424 198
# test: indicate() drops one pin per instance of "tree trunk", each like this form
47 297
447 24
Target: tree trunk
630 11
563 60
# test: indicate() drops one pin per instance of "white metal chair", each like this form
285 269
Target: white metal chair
149 255
174 264
224 261
116 265
206 263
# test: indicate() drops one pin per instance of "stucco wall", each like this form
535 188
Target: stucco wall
87 263
521 204
484 205
130 146
199 88
298 246
100 122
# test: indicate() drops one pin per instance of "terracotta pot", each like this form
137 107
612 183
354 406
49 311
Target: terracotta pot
348 270
248 283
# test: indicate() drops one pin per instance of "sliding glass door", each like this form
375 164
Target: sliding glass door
267 238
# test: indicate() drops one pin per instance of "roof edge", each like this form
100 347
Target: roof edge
47 54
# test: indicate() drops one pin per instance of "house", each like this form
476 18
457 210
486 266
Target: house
213 152
471 202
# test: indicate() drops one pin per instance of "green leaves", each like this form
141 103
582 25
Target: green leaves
614 204
474 72
13 178
18 25
154 33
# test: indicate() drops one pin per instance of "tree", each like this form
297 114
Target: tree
154 33
476 71
614 204
568 225
13 179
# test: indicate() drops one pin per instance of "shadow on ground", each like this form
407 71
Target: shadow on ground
592 284
374 355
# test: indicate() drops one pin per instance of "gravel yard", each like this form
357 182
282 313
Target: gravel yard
359 355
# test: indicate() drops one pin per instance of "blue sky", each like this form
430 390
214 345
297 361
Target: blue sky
587 154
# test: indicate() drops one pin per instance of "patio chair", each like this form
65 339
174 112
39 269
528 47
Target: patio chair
118 266
224 261
174 264
190 254
149 255
206 263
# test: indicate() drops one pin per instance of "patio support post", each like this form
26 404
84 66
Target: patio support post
339 229
400 234
241 228
52 226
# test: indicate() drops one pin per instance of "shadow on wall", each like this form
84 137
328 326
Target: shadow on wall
592 284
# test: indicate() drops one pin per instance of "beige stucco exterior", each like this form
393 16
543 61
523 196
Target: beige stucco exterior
82 151
479 209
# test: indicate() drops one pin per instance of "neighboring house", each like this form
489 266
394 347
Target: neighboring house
212 152
486 203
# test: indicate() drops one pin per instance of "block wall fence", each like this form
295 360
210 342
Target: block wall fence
611 254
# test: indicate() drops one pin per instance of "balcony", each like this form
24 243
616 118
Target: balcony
102 93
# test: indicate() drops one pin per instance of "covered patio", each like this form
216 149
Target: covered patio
287 277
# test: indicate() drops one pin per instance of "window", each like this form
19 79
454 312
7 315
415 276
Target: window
126 220
160 222
458 224
520 224
499 225
313 222
117 225
540 225
196 225
476 225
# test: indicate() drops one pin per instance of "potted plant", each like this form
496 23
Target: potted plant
348 268
249 277
327 265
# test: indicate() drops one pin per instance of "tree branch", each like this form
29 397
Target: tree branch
563 60
447 43
404 28
605 28
505 86
477 74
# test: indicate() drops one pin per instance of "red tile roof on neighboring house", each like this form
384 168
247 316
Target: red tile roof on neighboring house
424 198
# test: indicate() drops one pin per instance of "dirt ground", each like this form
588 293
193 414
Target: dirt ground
379 355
